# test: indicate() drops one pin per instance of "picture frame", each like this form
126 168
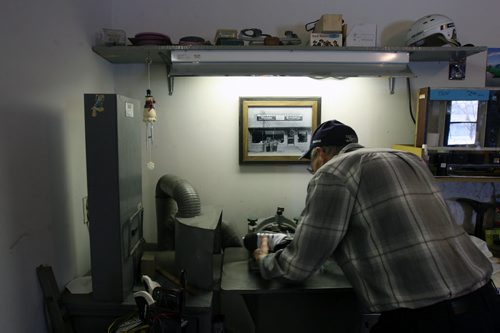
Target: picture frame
493 67
277 129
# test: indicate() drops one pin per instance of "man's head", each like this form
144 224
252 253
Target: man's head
327 140
331 133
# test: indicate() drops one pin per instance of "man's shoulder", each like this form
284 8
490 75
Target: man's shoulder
361 155
356 152
360 151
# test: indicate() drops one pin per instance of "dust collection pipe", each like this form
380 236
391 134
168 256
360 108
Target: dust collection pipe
174 197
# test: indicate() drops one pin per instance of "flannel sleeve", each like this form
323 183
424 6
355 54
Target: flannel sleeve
323 224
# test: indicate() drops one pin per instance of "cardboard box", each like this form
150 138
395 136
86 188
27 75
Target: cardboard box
329 23
326 40
362 35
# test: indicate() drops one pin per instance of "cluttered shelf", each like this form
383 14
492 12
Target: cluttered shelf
283 60
459 164
331 51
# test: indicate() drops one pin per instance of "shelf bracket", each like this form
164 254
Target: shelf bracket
392 83
456 69
166 57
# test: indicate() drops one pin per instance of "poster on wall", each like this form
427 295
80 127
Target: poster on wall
493 68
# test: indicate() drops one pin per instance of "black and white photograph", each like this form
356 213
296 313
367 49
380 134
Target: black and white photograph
277 129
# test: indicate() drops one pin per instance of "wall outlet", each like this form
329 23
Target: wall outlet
85 207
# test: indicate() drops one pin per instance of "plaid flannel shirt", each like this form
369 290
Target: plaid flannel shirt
380 216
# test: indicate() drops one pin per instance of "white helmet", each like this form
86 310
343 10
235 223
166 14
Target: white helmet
432 30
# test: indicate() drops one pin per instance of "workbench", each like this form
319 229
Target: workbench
324 303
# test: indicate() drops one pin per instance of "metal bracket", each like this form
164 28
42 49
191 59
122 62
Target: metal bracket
392 83
168 66
456 69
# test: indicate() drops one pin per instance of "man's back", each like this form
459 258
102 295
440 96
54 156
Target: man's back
401 248
380 215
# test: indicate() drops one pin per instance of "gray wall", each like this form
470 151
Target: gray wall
47 64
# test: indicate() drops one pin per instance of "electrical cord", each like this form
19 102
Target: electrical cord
310 26
409 100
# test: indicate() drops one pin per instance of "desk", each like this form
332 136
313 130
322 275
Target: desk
323 303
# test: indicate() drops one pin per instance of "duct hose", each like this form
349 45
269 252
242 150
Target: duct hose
174 197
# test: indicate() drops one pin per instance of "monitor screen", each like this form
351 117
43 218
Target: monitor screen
462 123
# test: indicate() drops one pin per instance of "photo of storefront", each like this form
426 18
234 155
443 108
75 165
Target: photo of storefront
277 130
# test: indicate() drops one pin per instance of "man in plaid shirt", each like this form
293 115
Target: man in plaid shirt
379 214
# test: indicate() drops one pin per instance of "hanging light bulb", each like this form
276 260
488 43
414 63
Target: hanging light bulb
149 118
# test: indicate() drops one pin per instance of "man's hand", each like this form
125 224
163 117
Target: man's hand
263 250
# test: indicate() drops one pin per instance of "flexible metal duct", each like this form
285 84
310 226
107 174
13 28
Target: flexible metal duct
188 201
174 197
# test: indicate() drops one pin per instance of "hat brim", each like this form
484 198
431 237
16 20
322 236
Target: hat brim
306 155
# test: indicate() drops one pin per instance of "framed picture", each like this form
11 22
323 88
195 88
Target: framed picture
493 68
277 129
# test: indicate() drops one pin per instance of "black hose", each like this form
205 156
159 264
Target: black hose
409 100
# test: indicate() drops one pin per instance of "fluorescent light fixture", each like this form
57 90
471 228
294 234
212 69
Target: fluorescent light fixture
298 62
314 55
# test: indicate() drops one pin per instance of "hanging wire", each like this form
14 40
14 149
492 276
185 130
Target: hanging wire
148 62
149 116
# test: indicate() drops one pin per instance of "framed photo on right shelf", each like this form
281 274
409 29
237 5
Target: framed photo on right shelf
493 68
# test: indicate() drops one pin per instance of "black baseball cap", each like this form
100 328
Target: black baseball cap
331 133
